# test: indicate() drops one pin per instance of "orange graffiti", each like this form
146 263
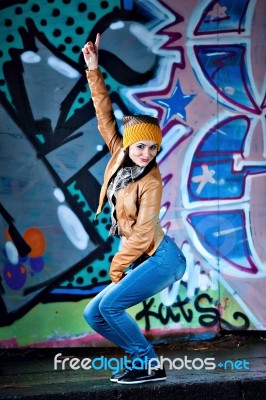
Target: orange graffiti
35 239
7 235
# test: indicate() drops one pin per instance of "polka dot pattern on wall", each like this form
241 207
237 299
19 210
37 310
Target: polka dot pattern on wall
63 24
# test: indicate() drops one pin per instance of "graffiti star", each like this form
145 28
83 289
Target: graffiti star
217 12
206 177
176 103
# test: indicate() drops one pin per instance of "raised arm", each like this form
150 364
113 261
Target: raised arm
103 107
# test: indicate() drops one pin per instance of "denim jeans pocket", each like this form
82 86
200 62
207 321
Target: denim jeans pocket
170 259
160 255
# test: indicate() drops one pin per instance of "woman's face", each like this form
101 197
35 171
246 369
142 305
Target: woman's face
142 153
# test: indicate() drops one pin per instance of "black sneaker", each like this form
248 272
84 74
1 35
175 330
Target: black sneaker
132 376
115 377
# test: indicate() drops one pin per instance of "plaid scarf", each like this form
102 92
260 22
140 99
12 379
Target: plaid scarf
123 178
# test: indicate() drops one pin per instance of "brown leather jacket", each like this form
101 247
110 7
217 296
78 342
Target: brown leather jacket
137 205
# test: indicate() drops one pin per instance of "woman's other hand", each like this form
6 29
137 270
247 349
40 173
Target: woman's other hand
90 53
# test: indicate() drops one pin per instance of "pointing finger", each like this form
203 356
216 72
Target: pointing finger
97 41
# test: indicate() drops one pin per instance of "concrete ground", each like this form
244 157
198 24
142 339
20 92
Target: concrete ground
239 363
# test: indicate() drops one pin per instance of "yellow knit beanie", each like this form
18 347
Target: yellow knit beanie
141 127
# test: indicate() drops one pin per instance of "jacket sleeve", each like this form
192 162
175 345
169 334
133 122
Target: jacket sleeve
143 231
104 112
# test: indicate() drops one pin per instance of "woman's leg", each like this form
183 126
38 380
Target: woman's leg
95 319
165 267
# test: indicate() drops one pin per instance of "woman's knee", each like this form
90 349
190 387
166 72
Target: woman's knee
107 308
87 313
91 315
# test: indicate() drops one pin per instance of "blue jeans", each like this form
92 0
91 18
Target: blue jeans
106 312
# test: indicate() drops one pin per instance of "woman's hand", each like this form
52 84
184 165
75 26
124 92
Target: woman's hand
90 53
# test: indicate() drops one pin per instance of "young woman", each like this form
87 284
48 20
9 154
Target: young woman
148 261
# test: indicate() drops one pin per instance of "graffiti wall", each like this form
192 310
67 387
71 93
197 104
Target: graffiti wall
197 65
